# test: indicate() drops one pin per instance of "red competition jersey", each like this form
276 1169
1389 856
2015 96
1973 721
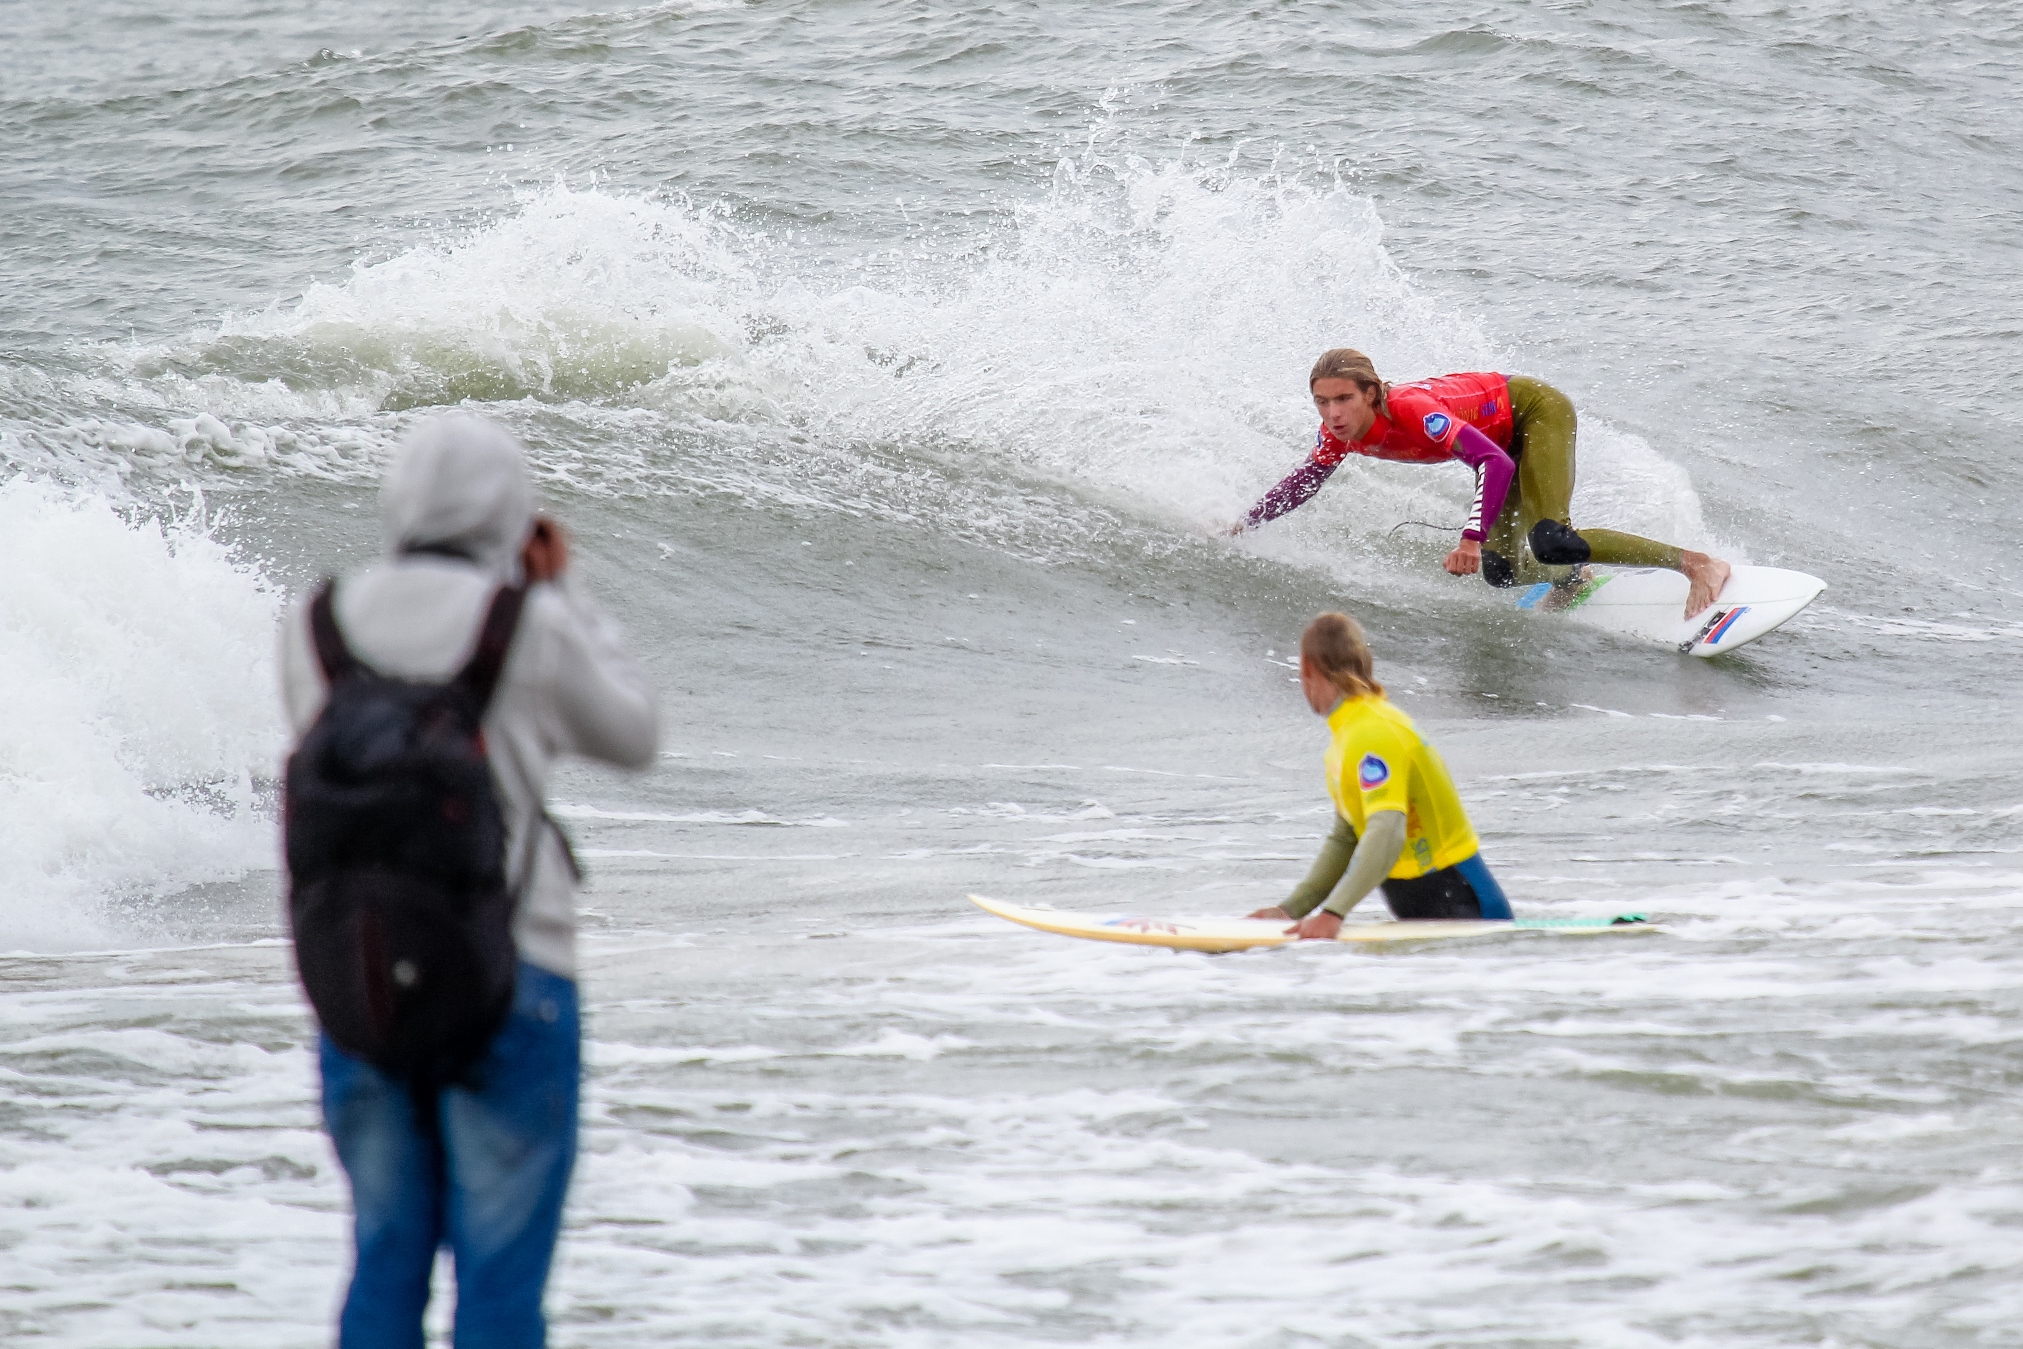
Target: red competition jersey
1425 416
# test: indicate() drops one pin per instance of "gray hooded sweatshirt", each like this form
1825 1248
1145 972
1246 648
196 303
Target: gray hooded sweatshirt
568 687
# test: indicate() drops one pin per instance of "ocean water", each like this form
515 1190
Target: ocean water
895 366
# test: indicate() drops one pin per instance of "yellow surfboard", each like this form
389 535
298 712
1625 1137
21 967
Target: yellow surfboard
1241 934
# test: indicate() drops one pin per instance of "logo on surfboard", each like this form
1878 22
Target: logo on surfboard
1721 628
1715 628
1147 925
1436 424
1372 772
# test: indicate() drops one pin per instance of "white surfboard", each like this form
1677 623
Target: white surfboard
1650 604
1241 934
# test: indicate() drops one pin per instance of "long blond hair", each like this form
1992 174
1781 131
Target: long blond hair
1348 363
1336 646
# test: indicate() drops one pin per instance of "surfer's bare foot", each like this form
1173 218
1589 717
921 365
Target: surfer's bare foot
1273 912
1708 575
1566 592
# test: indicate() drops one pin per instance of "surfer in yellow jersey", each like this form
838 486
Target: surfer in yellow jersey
1398 821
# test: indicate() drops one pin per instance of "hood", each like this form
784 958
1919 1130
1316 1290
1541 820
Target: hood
459 485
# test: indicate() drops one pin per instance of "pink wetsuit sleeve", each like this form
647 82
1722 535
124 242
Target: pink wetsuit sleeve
1493 472
1297 488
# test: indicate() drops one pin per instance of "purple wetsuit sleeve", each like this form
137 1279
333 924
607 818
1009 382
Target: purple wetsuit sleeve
1493 472
1296 490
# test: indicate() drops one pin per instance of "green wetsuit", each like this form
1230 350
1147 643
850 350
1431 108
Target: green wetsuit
1542 444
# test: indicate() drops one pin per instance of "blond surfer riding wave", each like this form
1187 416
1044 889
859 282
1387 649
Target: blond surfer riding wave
1516 433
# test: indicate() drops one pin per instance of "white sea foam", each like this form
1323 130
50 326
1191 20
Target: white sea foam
137 708
158 428
916 1186
1136 331
575 294
1142 330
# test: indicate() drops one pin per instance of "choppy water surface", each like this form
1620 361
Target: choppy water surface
895 366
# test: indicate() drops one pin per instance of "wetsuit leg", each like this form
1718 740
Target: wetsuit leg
1543 445
1506 561
1437 896
1503 551
1464 892
1488 893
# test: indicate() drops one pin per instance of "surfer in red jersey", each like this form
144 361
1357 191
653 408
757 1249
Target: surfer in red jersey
1518 436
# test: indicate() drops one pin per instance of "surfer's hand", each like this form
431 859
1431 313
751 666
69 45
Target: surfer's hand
1320 925
1273 912
1466 559
1231 531
546 552
1707 575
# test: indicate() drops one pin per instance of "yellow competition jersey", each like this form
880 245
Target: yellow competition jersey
1379 761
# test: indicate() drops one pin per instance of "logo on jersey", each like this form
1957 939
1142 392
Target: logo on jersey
1372 772
1436 424
1487 409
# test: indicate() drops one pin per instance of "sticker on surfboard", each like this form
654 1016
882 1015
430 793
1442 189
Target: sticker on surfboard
1243 934
1650 604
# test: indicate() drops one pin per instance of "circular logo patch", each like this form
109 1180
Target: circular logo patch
1436 424
1372 772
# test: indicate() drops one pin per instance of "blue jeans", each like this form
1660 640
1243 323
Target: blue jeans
487 1181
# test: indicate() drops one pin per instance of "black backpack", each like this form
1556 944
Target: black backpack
397 859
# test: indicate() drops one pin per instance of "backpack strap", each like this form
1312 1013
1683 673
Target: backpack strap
480 678
331 652
449 550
